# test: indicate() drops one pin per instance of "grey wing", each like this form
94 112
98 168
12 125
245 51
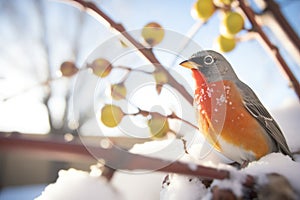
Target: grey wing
257 110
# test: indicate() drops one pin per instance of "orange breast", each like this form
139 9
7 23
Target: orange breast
222 114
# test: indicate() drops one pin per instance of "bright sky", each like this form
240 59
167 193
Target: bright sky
22 56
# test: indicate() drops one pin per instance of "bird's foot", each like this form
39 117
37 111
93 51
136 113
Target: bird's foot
244 164
240 166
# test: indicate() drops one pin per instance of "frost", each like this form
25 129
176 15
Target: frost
221 100
209 92
202 91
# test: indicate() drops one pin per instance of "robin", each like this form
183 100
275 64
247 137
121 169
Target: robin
230 115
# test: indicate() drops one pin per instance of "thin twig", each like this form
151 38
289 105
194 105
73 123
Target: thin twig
132 69
174 116
170 116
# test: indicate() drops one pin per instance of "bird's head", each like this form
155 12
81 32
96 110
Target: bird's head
212 65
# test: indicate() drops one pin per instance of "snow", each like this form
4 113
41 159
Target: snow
234 183
77 185
212 158
276 163
221 100
180 187
231 184
137 185
193 166
287 117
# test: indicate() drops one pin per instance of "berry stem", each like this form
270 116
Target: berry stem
170 116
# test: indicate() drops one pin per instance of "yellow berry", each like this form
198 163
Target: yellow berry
153 33
225 44
233 23
101 67
160 77
158 126
68 68
203 9
111 115
118 91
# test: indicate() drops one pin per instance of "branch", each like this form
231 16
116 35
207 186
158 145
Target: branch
146 52
273 7
274 50
120 159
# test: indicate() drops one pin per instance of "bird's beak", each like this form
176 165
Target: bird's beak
189 64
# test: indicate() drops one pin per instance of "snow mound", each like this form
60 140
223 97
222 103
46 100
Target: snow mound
77 185
185 187
179 187
276 163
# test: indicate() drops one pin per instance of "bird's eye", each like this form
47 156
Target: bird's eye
208 60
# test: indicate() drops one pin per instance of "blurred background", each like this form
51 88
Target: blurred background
37 36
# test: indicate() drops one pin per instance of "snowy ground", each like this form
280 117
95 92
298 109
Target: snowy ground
74 184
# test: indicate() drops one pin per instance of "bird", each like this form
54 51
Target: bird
229 113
